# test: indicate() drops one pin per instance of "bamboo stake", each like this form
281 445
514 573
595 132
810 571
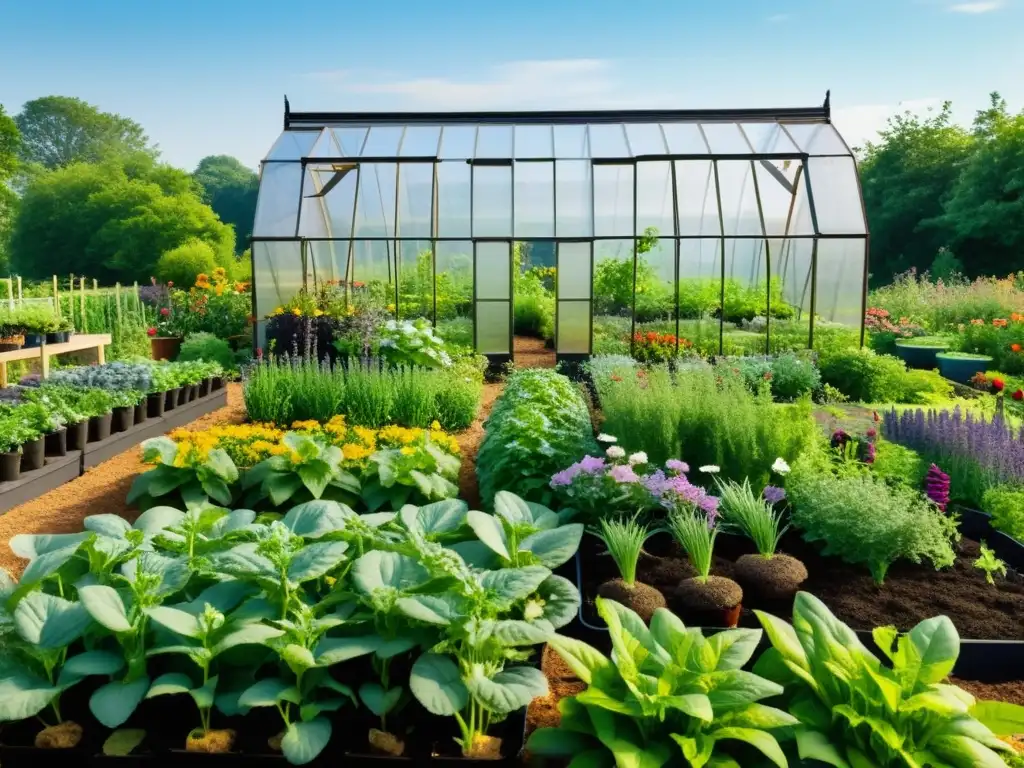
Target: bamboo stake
21 298
10 294
85 322
117 292
56 296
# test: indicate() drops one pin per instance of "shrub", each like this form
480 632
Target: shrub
865 376
182 265
539 425
206 346
863 520
1006 505
898 465
788 376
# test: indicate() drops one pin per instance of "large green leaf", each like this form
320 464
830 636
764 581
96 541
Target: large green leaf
378 700
432 609
123 741
112 704
303 741
225 596
23 695
476 554
245 634
559 601
243 561
783 638
511 689
175 620
47 564
235 520
734 647
156 519
814 745
50 621
937 647
512 632
559 742
757 716
31 545
738 688
1000 717
316 518
584 660
556 546
488 529
435 519
216 489
315 476
378 569
512 509
512 584
106 607
334 650
764 742
221 465
89 663
107 524
315 560
280 487
965 752
170 684
174 572
268 693
437 685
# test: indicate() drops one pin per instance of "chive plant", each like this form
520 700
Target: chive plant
752 516
625 540
697 538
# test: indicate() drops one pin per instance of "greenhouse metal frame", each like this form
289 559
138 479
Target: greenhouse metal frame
740 201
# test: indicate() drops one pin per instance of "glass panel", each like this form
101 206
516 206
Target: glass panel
350 140
697 198
613 200
766 138
608 140
276 278
458 142
421 141
328 215
277 207
800 223
327 259
574 201
325 145
534 141
613 296
839 288
791 294
654 197
739 203
817 138
313 222
492 201
655 288
372 270
535 200
646 139
375 209
571 141
573 328
494 141
492 328
454 276
493 271
725 139
415 194
453 199
685 139
574 271
291 145
836 195
383 141
776 182
415 279
700 293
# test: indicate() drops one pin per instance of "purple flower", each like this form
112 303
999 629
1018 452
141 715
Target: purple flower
937 486
656 483
675 465
773 494
563 478
591 464
623 473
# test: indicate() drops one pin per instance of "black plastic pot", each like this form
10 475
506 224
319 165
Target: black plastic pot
10 467
204 387
193 392
33 455
183 395
141 412
155 404
124 418
57 443
171 400
217 383
60 337
34 340
99 427
77 435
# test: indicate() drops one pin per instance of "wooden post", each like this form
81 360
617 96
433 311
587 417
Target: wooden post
81 304
56 296
71 301
10 294
21 299
117 293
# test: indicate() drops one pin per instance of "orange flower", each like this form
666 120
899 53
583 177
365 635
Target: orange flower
977 321
1016 317
999 322
1015 347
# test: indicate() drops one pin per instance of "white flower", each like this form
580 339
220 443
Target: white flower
615 452
710 469
780 466
606 438
638 458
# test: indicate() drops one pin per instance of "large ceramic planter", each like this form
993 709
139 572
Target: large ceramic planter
57 443
78 435
33 455
961 369
99 427
917 355
165 347
124 418
10 467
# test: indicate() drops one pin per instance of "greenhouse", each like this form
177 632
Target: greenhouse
726 231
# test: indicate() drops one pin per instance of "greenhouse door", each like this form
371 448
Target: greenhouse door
574 288
492 299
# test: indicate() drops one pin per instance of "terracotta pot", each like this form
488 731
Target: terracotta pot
57 443
33 455
124 418
165 347
141 412
99 427
171 401
78 435
10 467
33 340
155 404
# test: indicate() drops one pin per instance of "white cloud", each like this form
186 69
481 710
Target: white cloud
541 84
861 123
985 6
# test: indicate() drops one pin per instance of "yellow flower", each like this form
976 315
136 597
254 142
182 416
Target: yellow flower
350 310
407 451
353 452
317 312
310 425
391 307
435 424
297 312
277 311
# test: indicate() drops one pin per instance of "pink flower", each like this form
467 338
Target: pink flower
623 473
675 465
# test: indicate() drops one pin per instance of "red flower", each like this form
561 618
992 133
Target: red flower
1019 394
997 385
151 331
1015 347
871 432
165 311
259 353
170 283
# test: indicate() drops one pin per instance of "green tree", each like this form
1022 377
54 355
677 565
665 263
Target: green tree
10 141
111 221
984 215
60 130
907 175
230 188
182 265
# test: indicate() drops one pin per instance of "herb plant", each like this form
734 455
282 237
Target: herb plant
696 534
751 515
625 540
989 563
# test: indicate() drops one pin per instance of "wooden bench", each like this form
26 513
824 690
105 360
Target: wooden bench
43 353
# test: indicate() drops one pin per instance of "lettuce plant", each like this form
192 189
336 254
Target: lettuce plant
403 476
192 478
668 695
854 711
306 472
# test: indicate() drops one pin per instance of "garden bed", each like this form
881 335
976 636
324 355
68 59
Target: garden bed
57 471
910 593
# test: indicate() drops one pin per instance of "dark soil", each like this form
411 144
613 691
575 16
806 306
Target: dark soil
717 593
1011 691
640 598
911 593
775 578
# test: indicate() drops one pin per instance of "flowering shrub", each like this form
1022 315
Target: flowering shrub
215 304
654 347
413 343
884 332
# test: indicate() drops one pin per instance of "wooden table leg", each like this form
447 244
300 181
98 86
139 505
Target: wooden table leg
3 373
100 354
44 364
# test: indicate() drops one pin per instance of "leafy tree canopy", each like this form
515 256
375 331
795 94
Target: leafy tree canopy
10 141
60 130
111 220
230 188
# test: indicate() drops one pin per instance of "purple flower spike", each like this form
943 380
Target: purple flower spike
773 494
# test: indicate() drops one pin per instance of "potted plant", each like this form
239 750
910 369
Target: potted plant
770 575
99 405
709 601
13 434
123 402
920 352
36 321
62 328
12 335
961 366
161 381
39 421
164 335
625 541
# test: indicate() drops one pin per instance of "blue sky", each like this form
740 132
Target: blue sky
207 76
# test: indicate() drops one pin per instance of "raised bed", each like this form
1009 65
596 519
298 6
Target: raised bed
31 485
